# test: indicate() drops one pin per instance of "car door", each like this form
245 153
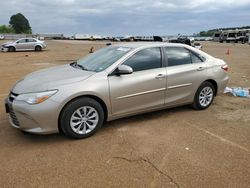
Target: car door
31 44
185 72
21 44
144 88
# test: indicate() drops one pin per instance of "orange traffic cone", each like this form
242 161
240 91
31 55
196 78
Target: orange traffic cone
228 52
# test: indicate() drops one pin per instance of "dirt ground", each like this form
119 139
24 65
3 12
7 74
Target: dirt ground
179 147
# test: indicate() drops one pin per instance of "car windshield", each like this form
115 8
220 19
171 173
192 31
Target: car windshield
103 58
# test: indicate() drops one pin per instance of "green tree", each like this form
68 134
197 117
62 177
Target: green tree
6 29
20 24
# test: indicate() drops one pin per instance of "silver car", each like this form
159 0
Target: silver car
116 81
24 44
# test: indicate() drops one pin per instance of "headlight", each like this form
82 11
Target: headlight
36 98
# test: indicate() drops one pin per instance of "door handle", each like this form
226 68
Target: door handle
159 76
201 69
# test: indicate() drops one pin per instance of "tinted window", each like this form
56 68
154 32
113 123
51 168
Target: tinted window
31 40
195 58
21 41
149 58
177 56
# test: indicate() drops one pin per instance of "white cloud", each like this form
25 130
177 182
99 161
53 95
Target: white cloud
134 16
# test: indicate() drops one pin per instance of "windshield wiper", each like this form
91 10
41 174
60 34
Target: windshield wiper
75 64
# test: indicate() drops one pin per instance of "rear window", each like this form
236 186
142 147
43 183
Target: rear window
195 58
178 56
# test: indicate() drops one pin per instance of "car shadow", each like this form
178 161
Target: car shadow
108 126
56 137
145 116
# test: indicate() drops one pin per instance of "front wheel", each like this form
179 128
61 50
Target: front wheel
81 118
12 49
204 96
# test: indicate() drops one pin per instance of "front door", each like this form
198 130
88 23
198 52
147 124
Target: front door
21 44
144 88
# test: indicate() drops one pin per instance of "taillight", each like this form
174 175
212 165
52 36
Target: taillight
224 67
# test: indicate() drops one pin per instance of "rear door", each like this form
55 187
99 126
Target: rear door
31 43
144 88
185 72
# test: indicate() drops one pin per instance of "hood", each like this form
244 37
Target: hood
7 43
50 78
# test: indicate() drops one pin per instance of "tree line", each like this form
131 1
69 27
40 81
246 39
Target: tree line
210 33
18 24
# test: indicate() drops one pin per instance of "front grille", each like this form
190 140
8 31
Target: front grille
13 117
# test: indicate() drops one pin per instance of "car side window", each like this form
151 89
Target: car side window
177 56
195 58
31 40
21 41
145 59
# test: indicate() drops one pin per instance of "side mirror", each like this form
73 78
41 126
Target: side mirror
124 69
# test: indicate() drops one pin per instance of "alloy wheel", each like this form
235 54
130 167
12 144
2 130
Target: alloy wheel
206 96
84 120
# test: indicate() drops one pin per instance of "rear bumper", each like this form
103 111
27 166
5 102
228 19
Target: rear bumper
223 84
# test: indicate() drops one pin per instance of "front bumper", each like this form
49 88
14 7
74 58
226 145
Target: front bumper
37 119
4 49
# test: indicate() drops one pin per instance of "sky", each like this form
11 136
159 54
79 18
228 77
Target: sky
127 17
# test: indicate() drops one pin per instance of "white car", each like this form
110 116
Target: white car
114 82
1 37
24 44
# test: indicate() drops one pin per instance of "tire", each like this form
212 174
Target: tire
38 48
12 49
81 118
204 96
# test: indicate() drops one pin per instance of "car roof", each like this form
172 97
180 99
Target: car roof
26 38
142 45
148 44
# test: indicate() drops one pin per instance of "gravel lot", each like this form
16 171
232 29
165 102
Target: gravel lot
179 147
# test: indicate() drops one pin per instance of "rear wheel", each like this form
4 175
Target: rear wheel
204 96
38 48
12 49
81 118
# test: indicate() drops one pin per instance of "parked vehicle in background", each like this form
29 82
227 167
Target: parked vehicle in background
24 44
1 37
197 45
233 36
127 38
241 37
217 36
180 39
114 39
114 82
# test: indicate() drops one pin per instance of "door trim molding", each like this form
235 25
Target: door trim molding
141 93
177 86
